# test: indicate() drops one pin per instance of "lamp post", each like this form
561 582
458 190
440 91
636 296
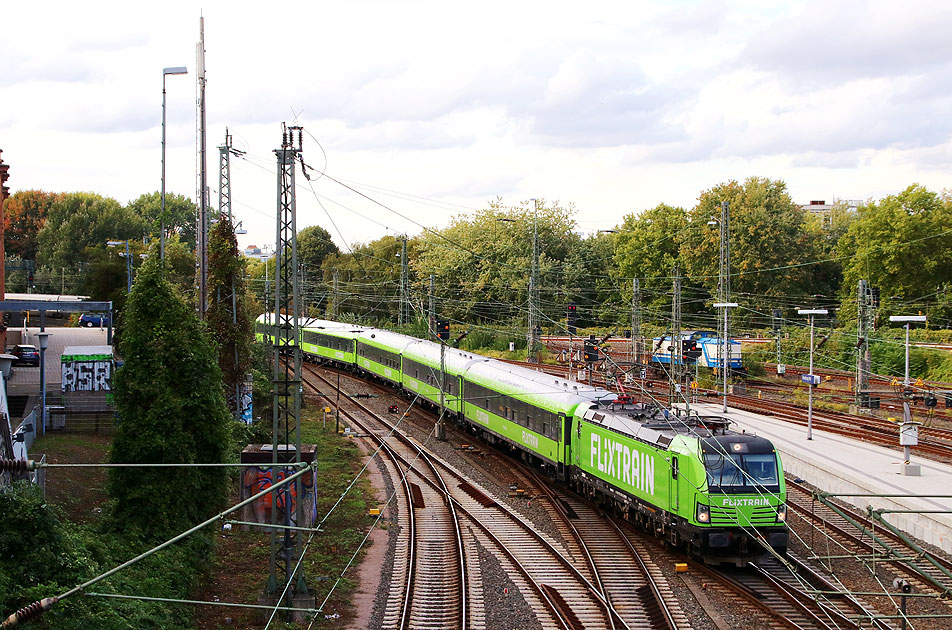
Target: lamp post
165 72
909 432
128 262
44 340
725 356
813 380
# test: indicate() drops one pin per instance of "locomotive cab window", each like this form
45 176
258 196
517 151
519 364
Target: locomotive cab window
741 473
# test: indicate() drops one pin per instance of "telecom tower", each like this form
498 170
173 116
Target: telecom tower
286 381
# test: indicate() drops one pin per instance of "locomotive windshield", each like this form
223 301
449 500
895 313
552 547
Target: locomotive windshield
728 472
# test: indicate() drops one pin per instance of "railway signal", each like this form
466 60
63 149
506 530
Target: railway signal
443 329
571 318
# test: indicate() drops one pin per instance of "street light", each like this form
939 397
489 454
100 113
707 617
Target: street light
44 339
165 71
725 356
813 379
909 432
128 261
907 320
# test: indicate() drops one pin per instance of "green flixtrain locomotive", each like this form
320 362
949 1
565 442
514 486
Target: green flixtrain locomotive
717 493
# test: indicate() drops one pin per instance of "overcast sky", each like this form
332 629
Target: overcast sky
434 108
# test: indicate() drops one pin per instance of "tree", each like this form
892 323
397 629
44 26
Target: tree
898 245
171 410
180 215
483 262
647 246
24 216
314 245
769 242
228 317
368 279
80 220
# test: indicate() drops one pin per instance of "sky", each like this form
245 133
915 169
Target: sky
433 109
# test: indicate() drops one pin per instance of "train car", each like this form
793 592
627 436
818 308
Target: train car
330 341
422 373
717 493
265 328
379 353
712 353
526 409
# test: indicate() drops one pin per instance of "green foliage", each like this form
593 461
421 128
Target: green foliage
769 240
314 245
43 555
648 246
368 278
179 216
898 245
77 221
482 262
232 330
24 215
171 410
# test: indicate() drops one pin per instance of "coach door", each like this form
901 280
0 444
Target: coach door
673 485
566 441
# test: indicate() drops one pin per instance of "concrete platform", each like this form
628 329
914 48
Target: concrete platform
839 464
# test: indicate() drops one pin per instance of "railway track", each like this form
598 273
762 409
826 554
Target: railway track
591 596
556 591
429 585
928 573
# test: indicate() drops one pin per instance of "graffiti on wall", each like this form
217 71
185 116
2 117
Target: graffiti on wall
87 376
257 479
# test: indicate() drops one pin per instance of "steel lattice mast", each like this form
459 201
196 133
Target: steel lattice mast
286 383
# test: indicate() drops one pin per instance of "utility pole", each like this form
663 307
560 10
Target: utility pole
334 303
286 548
4 191
677 347
867 301
432 309
224 210
636 322
533 336
201 232
404 315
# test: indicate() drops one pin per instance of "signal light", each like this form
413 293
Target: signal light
443 329
591 351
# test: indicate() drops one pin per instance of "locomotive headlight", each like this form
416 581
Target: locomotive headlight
703 513
782 513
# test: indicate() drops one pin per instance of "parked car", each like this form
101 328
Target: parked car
89 320
26 354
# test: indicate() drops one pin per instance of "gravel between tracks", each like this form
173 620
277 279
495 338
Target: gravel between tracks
503 609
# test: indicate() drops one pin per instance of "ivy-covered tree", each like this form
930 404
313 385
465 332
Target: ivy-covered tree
228 319
171 410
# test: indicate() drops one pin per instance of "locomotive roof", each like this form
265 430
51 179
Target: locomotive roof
650 423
